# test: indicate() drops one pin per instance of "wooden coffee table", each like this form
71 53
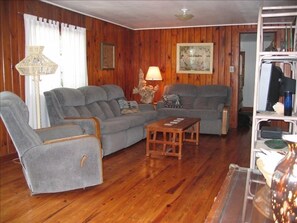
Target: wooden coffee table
173 132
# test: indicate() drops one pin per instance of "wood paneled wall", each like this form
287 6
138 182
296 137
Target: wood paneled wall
134 50
158 48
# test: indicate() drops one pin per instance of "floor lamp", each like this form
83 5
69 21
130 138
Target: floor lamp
36 64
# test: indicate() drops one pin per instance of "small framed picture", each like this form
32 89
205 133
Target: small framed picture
194 58
107 56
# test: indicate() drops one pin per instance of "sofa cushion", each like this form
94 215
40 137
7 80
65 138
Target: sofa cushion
113 125
133 120
113 91
200 102
106 109
76 111
187 101
208 102
148 116
181 89
69 96
96 110
121 123
204 114
114 106
212 90
93 94
215 101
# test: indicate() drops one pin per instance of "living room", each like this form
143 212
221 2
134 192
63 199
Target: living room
135 49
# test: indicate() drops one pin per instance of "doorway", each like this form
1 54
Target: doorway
247 58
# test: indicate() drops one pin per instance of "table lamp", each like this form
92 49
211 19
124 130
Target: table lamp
147 92
36 64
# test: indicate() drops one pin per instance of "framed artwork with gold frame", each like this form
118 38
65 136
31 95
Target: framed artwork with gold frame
194 58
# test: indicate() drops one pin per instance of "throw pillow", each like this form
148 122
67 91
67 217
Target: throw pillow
172 101
128 107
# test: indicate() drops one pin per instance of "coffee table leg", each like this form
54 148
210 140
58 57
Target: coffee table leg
197 132
148 141
180 144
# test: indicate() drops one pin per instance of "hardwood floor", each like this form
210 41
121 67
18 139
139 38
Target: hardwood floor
136 188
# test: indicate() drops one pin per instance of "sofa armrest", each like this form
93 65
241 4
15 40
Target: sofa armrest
160 104
90 125
225 120
146 107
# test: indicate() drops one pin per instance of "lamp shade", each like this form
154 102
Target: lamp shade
36 63
153 74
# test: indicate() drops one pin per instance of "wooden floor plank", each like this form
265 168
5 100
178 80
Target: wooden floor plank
136 188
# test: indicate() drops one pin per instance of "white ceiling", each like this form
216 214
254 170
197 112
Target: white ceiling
151 14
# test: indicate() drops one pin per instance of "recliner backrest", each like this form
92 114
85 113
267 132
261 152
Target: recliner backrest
15 116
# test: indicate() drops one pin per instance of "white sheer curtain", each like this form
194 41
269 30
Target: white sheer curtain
68 50
74 59
40 32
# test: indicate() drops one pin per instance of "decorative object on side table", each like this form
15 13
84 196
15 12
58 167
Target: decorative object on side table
36 64
284 184
147 92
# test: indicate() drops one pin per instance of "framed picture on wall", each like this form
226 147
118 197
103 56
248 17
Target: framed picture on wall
194 58
107 56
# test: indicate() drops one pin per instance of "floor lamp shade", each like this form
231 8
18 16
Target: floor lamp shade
36 64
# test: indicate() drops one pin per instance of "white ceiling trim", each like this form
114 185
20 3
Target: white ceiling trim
198 26
72 10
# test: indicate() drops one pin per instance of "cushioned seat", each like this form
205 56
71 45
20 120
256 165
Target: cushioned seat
55 159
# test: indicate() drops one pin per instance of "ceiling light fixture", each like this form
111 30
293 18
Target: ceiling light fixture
184 16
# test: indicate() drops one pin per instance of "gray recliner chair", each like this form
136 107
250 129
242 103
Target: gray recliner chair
54 159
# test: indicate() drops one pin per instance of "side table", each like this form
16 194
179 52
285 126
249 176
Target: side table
243 198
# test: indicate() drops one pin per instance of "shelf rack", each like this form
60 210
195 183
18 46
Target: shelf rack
273 18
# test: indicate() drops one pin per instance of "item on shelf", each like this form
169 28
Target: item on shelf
267 162
270 132
284 184
288 103
275 143
278 107
271 47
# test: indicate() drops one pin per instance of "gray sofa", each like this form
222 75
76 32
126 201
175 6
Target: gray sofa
117 130
209 102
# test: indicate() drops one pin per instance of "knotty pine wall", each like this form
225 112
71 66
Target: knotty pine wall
134 50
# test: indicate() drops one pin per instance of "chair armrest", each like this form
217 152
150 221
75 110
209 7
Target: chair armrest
59 131
51 141
225 120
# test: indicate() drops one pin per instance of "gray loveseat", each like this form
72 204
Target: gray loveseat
118 130
209 102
